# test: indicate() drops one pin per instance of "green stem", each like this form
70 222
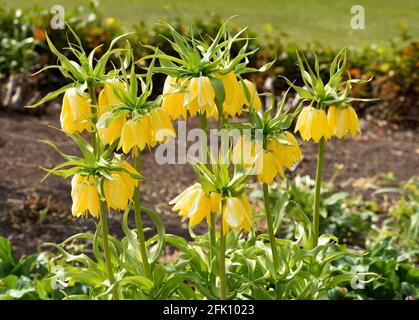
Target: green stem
203 139
222 260
211 227
105 236
93 110
213 243
270 224
316 212
139 220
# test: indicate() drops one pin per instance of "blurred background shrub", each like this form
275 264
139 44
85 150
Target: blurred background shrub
393 66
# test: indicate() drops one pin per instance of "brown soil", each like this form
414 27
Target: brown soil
32 212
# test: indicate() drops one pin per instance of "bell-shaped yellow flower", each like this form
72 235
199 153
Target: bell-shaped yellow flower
215 202
271 167
75 112
193 204
237 214
137 132
129 136
172 102
119 190
312 124
162 125
287 155
254 97
107 97
234 99
343 121
199 97
110 129
84 195
246 152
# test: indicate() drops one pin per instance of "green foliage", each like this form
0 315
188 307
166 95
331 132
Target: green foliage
349 219
394 65
386 267
398 275
17 44
28 277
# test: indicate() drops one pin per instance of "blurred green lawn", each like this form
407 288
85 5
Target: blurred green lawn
327 21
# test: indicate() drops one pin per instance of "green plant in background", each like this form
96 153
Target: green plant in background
349 219
28 277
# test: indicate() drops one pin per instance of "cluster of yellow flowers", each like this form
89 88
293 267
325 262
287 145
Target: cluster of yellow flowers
148 129
196 95
267 162
193 203
314 124
180 97
118 191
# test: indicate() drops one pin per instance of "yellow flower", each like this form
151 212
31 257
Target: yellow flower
237 214
84 195
172 102
75 112
254 97
137 132
215 202
192 203
129 136
107 97
162 125
119 190
246 152
287 155
200 97
110 130
234 99
343 121
270 168
312 124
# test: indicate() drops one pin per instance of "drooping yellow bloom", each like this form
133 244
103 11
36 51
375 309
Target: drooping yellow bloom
75 112
286 155
215 202
254 97
200 96
246 152
149 129
312 124
234 99
271 167
107 97
172 102
84 195
110 129
119 190
162 125
237 214
137 132
193 204
343 121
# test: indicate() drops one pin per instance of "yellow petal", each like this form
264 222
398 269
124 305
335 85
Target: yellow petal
172 102
215 202
254 100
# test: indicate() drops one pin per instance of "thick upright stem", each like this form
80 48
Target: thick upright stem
222 265
203 139
139 220
211 227
270 224
94 118
105 235
316 211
